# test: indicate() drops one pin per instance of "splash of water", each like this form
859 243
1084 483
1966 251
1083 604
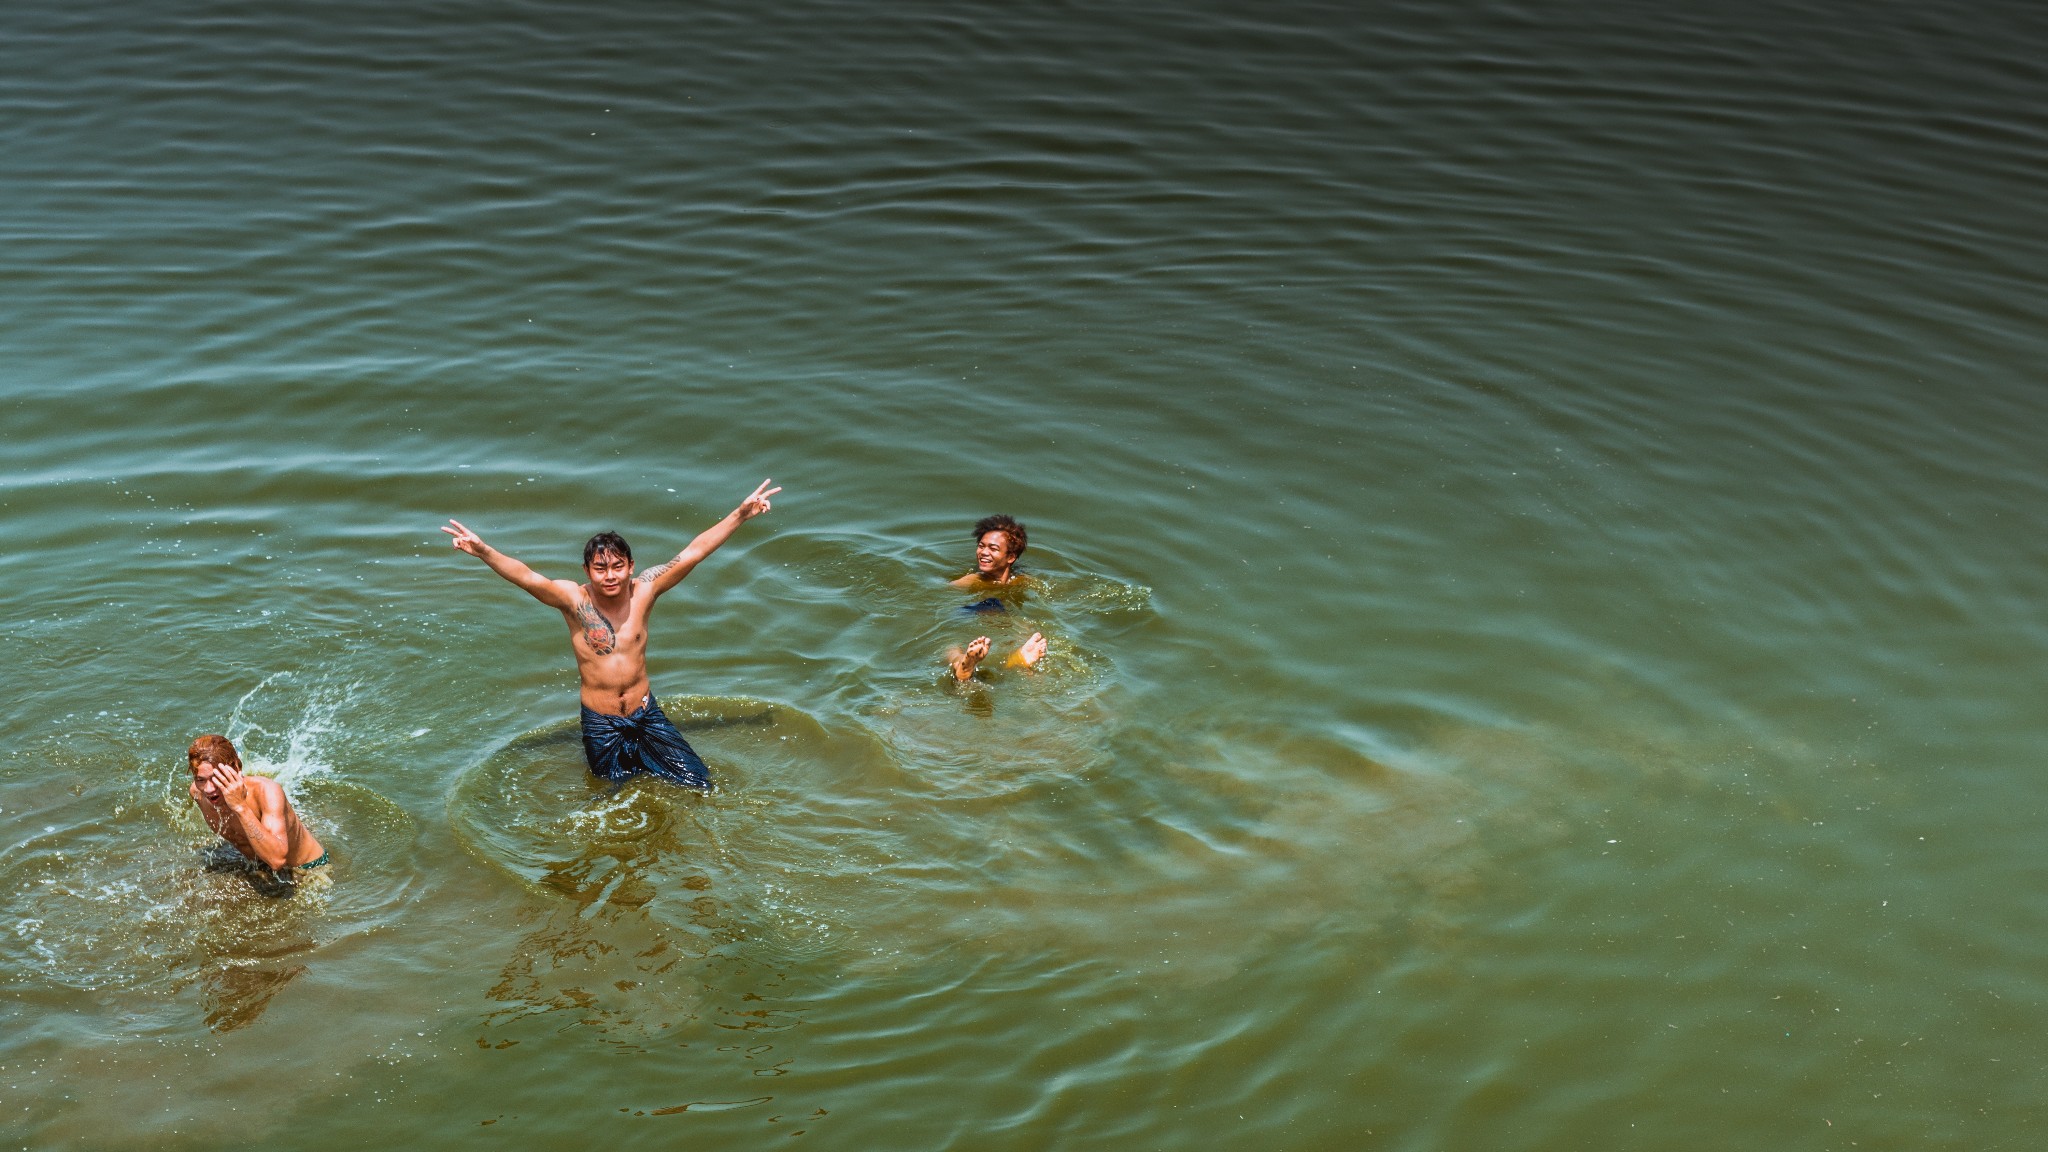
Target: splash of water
280 733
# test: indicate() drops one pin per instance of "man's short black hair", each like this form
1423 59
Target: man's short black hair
606 542
1013 532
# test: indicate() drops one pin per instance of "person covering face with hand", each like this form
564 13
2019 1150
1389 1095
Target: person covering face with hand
250 813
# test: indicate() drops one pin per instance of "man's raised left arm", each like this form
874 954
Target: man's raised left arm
665 576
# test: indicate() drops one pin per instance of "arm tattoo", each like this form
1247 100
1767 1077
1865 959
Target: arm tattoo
596 629
649 576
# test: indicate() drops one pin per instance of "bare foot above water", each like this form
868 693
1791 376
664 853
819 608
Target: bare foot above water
965 661
1032 652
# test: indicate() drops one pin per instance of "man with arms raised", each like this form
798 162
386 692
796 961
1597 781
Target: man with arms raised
624 728
998 544
249 812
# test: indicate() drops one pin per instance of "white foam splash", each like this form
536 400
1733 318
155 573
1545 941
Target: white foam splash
317 716
618 814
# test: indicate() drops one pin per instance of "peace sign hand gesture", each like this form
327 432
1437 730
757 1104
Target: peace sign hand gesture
753 505
465 540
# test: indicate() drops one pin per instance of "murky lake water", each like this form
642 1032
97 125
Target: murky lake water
1539 513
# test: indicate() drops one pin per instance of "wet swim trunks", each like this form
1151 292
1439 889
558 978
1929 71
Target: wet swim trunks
618 746
989 605
224 857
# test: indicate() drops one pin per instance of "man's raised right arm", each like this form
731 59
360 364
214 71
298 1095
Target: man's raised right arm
553 593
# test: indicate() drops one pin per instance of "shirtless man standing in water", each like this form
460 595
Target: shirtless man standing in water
249 812
624 729
998 544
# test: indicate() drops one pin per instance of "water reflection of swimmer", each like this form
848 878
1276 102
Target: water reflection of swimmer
254 819
236 995
998 544
624 728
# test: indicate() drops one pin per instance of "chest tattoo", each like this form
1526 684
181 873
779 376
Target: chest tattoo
597 630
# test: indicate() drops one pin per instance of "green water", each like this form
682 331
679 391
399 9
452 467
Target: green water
1539 514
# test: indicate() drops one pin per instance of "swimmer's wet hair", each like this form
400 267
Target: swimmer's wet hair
216 749
1012 531
606 542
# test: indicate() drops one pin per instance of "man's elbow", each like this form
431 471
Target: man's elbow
273 849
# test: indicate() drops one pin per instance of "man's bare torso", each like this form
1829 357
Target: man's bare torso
610 642
302 847
608 629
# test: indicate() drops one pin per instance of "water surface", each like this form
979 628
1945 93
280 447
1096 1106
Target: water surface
1537 510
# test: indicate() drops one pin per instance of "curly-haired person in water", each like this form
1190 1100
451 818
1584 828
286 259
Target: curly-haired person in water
998 544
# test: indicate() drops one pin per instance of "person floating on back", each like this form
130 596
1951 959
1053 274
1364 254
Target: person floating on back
998 543
624 728
251 815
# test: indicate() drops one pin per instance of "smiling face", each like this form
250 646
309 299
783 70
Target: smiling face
992 555
609 573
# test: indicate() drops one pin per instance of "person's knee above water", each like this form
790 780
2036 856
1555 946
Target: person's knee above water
999 542
624 730
250 813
